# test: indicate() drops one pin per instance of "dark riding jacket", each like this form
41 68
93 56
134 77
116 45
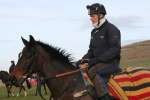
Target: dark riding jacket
105 45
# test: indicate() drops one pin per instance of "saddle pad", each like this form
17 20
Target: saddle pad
132 84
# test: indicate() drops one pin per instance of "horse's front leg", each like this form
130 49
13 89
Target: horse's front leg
45 87
8 90
36 91
11 90
18 91
25 92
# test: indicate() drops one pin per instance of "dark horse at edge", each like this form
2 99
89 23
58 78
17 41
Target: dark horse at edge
11 81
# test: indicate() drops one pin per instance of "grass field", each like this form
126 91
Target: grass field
137 54
31 95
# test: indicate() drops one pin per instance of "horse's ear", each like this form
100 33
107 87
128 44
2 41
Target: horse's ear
25 42
32 41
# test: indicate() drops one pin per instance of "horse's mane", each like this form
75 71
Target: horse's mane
57 53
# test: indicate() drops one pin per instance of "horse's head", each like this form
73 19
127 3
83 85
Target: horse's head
26 60
40 57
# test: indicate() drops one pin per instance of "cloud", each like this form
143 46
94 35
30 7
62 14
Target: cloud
127 21
131 21
7 41
81 23
121 21
22 14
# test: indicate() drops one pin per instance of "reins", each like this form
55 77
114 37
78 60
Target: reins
64 74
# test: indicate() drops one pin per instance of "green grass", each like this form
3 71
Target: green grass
137 54
136 63
30 96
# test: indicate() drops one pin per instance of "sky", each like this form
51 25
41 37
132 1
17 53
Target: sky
66 24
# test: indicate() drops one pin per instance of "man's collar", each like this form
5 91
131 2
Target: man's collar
101 22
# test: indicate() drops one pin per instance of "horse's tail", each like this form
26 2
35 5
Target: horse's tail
28 84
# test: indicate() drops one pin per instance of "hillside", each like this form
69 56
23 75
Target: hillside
137 54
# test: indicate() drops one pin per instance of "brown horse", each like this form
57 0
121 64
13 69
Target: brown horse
51 61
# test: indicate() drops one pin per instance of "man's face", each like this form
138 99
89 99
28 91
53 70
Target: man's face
94 18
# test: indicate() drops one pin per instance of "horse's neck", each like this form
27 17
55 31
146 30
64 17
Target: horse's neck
61 85
50 66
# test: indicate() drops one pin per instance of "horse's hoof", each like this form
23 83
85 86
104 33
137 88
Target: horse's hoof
17 95
13 95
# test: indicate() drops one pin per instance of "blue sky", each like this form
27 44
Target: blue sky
65 24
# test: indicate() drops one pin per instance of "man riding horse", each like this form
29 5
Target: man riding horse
103 56
11 68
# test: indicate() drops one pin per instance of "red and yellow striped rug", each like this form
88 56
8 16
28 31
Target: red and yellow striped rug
132 84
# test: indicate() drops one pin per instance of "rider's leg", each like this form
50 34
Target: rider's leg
100 86
100 74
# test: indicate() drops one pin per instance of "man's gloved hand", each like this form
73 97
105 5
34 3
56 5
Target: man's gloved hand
84 66
82 61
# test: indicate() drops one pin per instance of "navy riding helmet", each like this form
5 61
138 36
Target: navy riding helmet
96 8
